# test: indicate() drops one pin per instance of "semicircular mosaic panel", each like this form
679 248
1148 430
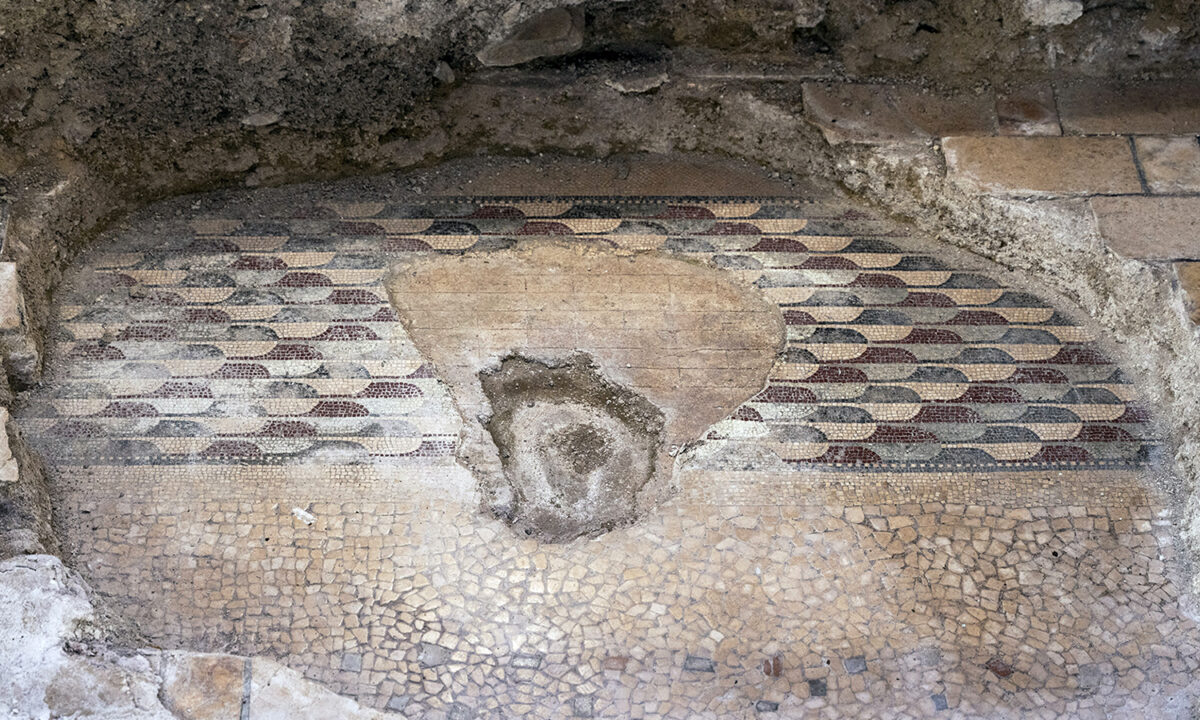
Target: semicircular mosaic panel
273 341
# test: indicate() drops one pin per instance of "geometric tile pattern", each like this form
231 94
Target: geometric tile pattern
272 341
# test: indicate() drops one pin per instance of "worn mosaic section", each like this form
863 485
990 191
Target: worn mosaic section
423 606
938 506
272 342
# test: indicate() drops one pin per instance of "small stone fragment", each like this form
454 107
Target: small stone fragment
558 31
855 665
527 660
352 662
444 73
637 84
431 655
583 706
999 668
11 303
260 119
809 13
459 711
699 664
1051 12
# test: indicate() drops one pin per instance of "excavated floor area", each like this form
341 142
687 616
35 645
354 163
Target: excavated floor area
942 498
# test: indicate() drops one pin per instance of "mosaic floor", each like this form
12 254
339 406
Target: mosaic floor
938 505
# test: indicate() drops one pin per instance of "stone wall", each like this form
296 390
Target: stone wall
131 101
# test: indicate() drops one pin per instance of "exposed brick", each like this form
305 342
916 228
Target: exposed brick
848 112
1162 107
1028 110
1170 164
1150 228
1044 165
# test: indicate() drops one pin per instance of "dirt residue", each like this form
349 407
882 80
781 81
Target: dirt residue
577 449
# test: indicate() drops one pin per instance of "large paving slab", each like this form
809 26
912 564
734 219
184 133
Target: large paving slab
1152 107
1150 228
1043 165
941 499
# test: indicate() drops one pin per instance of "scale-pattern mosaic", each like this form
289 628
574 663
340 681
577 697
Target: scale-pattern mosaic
272 341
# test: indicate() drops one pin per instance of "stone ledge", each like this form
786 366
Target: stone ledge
18 348
1150 228
1043 165
849 112
1163 107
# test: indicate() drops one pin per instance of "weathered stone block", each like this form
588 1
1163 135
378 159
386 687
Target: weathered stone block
866 113
1043 165
1028 110
1170 164
203 687
1150 228
1188 275
1162 107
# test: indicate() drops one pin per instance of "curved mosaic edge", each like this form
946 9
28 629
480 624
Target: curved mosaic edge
272 342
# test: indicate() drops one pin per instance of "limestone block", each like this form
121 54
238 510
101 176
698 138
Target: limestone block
1150 228
1171 164
1043 165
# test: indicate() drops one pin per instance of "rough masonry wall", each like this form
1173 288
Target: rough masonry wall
132 101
